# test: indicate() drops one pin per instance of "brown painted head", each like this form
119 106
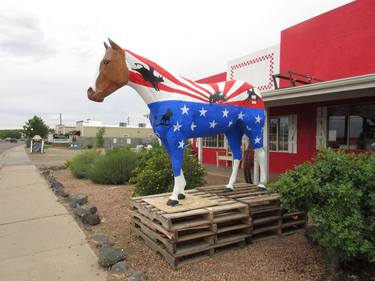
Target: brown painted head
113 73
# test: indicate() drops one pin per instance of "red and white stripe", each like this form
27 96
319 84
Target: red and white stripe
176 87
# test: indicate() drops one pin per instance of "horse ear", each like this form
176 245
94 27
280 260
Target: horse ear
106 45
114 45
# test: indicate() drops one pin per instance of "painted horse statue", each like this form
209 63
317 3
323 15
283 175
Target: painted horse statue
183 109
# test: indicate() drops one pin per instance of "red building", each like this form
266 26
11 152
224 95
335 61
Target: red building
338 48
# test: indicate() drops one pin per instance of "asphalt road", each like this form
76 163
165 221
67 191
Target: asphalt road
6 145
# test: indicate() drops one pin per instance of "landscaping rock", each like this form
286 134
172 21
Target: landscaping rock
77 200
57 168
91 219
85 210
79 212
101 241
138 276
109 256
120 267
60 192
55 184
90 209
46 172
106 245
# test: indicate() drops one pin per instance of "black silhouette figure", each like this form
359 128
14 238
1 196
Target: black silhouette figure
166 117
218 96
148 75
250 93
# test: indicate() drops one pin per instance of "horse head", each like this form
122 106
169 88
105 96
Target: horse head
113 73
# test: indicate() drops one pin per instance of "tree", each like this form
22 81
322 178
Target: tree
16 134
100 137
35 126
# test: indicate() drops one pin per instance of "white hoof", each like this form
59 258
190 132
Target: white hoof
261 187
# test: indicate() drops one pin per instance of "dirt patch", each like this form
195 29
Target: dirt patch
284 258
53 156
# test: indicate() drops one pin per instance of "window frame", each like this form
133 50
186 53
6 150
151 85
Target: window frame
291 135
218 141
347 114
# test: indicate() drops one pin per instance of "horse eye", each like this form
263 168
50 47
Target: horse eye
106 61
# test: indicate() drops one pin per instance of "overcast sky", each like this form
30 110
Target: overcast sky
50 50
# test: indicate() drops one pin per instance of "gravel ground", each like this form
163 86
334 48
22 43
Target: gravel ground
53 156
284 258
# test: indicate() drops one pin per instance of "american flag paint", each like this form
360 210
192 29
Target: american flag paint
183 109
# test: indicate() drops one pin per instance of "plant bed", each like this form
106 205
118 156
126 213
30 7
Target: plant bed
282 258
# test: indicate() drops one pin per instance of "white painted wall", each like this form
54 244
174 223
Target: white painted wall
256 68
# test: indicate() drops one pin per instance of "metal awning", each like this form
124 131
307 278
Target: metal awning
346 88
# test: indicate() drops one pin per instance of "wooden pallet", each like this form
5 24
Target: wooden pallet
266 224
293 222
229 216
261 203
240 190
265 212
171 221
177 260
174 236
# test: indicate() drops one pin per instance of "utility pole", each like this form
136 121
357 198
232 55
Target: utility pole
60 119
128 120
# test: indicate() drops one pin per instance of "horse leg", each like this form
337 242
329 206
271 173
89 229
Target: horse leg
181 193
176 155
260 155
234 140
181 180
254 130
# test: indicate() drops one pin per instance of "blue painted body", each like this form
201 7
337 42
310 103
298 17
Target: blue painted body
176 121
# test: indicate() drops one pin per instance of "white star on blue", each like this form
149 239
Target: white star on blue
193 126
185 110
181 144
225 113
176 127
203 112
213 124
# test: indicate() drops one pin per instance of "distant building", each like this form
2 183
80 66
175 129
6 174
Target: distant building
61 129
114 135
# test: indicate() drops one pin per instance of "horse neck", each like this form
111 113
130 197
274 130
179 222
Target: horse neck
148 94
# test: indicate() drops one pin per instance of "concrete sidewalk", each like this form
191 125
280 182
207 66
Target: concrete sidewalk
39 239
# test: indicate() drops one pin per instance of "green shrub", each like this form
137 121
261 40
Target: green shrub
154 175
67 163
338 190
81 164
114 167
99 140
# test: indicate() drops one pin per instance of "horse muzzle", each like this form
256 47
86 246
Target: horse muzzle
95 96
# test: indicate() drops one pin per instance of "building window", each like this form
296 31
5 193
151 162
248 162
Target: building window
213 141
282 134
278 138
351 126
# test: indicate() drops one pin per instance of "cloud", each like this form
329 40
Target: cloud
22 36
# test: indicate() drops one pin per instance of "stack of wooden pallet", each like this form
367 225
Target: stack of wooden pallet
268 218
237 217
192 235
